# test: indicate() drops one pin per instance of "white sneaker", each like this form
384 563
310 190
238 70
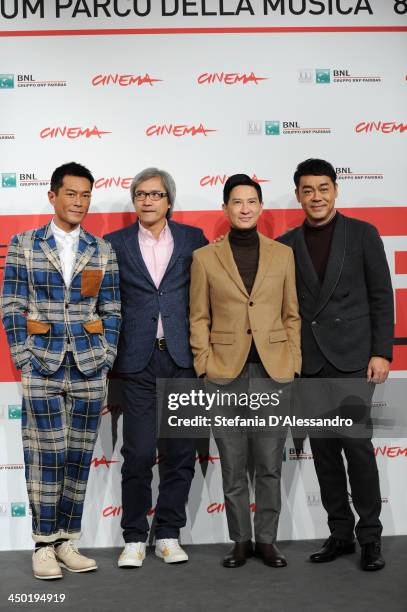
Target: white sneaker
133 555
170 551
45 565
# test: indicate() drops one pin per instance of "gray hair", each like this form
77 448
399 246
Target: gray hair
168 182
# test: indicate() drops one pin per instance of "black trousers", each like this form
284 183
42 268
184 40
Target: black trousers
363 478
139 454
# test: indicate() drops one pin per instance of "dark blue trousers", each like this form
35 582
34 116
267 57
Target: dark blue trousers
139 453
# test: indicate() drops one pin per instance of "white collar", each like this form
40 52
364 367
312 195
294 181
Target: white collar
62 234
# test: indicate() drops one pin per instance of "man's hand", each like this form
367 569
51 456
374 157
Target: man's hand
378 369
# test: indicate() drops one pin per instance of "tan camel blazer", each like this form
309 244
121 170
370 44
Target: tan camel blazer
224 318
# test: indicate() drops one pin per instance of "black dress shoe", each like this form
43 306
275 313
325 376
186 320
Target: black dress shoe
270 554
371 558
237 556
331 549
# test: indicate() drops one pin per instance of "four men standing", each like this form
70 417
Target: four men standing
61 312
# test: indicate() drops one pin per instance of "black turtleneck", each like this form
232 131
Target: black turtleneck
318 239
245 248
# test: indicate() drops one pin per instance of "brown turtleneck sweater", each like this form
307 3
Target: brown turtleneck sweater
245 249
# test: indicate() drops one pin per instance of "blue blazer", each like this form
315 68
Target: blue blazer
40 313
142 301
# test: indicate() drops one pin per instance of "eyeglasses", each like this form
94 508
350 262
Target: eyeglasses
153 195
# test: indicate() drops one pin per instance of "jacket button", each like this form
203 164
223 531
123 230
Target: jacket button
251 303
161 293
154 319
313 323
337 320
249 331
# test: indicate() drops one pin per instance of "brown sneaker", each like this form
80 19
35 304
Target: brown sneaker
69 557
45 565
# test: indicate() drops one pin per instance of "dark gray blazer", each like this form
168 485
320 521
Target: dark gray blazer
350 317
142 301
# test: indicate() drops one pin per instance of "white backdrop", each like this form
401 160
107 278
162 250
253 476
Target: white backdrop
118 102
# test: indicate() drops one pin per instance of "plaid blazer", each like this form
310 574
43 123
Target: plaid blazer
43 318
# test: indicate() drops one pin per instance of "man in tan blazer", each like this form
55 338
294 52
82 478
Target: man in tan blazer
245 324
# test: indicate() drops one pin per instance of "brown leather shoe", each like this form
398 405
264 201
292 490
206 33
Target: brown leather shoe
237 555
270 554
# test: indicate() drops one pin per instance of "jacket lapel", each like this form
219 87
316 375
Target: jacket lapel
225 256
304 264
86 248
132 245
49 247
335 263
178 236
265 248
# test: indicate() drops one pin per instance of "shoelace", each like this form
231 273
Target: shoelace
170 544
70 548
135 547
46 552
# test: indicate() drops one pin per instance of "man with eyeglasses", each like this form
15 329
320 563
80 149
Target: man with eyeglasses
154 256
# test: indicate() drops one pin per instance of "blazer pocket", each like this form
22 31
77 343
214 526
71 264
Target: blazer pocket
222 337
279 335
90 282
94 327
37 327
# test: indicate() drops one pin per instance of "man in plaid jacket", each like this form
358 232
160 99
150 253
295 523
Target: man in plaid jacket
61 313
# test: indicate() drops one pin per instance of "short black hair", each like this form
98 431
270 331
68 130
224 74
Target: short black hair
314 167
69 169
240 179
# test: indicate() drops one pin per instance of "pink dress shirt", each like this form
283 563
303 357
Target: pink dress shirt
156 255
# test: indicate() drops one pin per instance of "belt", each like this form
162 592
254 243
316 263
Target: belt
161 344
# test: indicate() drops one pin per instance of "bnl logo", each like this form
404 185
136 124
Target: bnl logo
6 81
8 179
14 411
18 509
322 76
272 128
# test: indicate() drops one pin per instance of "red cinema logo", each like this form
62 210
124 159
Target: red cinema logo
112 511
178 130
229 78
207 459
71 132
385 127
117 510
220 179
113 181
219 508
102 461
390 451
124 80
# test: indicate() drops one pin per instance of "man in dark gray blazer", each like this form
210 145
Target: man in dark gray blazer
154 256
346 304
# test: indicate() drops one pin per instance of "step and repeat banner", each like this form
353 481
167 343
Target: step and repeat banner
203 89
